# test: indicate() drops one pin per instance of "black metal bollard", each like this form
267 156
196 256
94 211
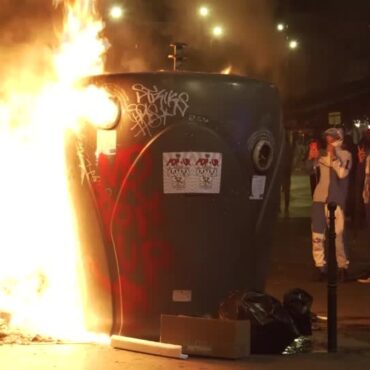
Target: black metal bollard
332 282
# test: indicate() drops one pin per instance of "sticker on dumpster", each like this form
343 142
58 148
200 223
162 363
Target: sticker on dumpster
192 172
258 187
181 295
106 142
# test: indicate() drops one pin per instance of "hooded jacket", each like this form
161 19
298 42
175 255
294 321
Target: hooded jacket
334 171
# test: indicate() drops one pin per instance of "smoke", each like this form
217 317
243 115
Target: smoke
140 41
250 42
258 48
23 22
26 41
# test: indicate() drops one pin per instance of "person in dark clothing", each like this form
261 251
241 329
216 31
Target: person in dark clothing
351 197
314 171
287 166
363 188
363 150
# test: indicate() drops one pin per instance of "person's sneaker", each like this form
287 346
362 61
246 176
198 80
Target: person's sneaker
342 275
320 274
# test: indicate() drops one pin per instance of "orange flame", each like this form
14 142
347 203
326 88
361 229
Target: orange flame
39 264
227 70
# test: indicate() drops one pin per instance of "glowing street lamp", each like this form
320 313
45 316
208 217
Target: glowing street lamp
116 12
217 31
293 44
280 27
204 11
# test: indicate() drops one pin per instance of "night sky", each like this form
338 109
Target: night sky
333 35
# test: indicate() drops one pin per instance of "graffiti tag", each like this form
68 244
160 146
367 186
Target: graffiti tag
87 168
153 107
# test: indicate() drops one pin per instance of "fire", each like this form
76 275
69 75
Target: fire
39 251
227 70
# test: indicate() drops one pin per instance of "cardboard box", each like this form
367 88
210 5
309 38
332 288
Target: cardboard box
207 337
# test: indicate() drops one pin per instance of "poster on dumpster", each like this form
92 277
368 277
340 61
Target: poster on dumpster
192 172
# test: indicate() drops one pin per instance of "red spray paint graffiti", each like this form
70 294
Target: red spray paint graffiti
142 253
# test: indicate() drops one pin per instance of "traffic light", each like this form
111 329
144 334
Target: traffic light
178 54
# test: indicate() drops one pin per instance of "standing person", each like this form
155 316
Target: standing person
349 145
335 165
363 151
287 165
366 190
312 164
365 159
364 162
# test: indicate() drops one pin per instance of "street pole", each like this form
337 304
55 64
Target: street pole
332 282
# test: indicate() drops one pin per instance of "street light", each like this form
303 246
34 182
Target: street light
204 11
217 31
293 44
280 27
116 12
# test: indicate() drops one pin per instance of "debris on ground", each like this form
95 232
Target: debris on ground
10 335
276 328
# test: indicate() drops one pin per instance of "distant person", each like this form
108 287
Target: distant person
364 160
286 169
312 164
351 198
363 150
366 189
335 165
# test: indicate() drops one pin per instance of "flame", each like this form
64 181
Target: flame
39 250
227 70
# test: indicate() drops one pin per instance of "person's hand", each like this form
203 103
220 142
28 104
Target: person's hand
313 152
361 154
331 150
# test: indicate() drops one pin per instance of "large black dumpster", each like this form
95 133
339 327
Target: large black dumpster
185 190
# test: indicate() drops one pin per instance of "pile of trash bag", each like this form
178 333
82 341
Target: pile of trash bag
298 303
276 328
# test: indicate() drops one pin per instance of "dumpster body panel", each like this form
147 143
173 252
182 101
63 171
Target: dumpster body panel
185 188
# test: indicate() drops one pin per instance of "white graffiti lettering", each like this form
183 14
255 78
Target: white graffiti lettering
153 107
86 167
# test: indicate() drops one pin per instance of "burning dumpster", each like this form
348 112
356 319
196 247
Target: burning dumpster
183 187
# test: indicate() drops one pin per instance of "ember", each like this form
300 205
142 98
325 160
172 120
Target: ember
227 70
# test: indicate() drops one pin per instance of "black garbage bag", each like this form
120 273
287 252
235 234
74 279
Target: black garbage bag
272 328
298 303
